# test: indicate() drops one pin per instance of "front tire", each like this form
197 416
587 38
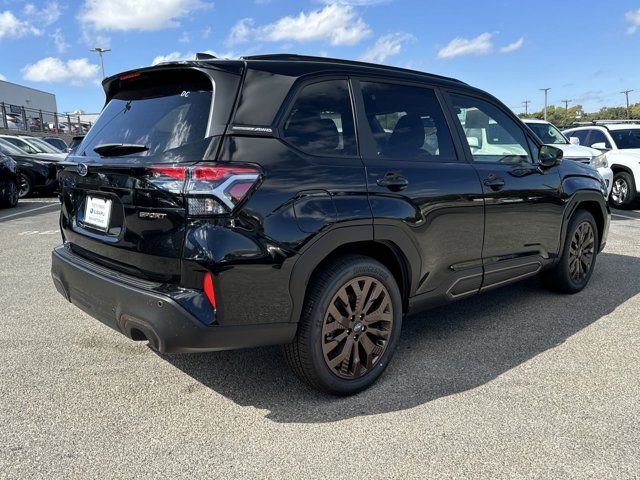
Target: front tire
349 327
573 271
623 191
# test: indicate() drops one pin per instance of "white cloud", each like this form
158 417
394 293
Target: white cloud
46 16
136 14
480 45
336 23
386 46
2 77
633 17
206 33
55 70
357 3
241 31
185 37
12 27
59 41
179 56
512 47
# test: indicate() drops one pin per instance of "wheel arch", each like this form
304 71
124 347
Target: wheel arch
390 252
594 203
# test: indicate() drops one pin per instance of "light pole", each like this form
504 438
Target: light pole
626 94
566 110
100 51
546 91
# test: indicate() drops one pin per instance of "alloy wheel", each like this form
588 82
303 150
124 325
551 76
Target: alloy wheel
25 186
13 194
619 191
581 252
357 327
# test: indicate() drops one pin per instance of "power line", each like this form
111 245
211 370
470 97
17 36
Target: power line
566 109
526 106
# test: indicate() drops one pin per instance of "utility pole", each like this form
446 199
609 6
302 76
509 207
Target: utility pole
566 110
626 94
526 107
546 91
100 51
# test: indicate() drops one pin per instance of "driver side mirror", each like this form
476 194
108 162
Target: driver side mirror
574 140
600 146
549 156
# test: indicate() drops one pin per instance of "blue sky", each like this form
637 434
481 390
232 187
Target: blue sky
587 50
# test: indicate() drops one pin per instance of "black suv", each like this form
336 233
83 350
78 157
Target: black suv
313 203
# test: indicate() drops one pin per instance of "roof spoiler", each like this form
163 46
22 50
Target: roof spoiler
204 56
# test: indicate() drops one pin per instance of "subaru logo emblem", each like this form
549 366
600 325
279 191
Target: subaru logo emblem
82 169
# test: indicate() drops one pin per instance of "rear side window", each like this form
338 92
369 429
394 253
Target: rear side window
321 120
492 135
167 114
407 122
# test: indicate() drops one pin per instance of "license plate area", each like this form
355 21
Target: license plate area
97 212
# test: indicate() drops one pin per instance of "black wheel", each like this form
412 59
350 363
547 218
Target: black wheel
573 271
26 186
10 198
349 327
623 191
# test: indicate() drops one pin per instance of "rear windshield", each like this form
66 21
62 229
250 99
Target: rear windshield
626 139
166 113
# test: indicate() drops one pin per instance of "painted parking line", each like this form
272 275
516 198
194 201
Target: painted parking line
29 211
625 216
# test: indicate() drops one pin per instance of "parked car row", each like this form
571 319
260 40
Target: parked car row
33 162
614 150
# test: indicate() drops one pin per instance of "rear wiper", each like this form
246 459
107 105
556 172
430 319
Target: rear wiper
119 149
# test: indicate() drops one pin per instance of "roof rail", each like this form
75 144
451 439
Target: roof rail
310 58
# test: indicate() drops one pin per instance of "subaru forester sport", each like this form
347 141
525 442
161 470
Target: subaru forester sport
313 203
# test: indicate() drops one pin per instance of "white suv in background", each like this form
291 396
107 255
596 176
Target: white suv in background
621 145
549 134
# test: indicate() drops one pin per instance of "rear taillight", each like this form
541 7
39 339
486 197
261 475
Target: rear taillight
208 289
209 190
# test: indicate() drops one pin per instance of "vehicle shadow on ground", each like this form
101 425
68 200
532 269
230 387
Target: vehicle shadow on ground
441 352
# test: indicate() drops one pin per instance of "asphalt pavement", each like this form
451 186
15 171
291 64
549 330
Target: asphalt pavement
515 383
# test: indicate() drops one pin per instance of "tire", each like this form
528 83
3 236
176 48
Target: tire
581 246
10 198
26 185
322 341
623 191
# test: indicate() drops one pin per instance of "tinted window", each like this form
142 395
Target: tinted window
598 137
22 145
168 115
321 120
547 133
580 135
407 122
626 138
492 135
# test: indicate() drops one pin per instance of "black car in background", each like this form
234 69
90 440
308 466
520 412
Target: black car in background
310 202
8 181
35 173
57 142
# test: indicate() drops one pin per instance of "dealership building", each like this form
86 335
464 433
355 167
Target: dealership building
16 96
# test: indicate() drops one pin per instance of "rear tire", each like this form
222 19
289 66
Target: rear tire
573 271
26 185
349 327
10 198
623 191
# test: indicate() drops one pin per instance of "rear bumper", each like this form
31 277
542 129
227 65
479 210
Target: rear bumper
136 309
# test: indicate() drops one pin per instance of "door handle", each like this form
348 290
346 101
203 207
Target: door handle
494 182
393 181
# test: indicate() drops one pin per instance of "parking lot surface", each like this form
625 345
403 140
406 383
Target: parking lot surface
518 382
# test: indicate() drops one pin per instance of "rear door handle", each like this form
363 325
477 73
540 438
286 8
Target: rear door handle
494 182
393 181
